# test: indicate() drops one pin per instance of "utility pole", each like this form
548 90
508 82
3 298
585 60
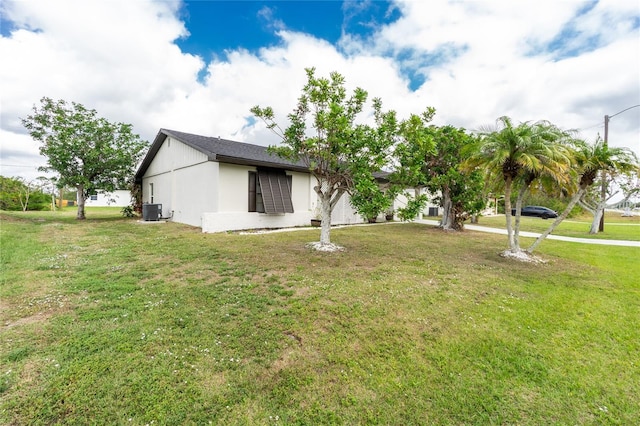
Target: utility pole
603 193
604 173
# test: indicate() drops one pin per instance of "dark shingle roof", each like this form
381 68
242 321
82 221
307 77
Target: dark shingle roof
222 150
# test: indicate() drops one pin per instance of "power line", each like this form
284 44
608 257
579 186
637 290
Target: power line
591 127
626 109
17 165
600 125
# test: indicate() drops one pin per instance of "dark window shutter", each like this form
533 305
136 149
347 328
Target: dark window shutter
276 191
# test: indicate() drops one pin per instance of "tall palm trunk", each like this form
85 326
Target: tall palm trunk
507 213
516 229
574 200
597 217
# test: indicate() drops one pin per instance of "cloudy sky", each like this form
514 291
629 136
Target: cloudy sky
200 66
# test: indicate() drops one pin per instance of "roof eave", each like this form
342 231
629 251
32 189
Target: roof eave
257 163
148 158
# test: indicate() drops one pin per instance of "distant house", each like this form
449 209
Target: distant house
117 198
223 185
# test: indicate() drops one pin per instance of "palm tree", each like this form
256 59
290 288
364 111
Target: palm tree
591 159
513 157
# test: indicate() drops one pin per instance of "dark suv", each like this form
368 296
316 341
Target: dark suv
536 211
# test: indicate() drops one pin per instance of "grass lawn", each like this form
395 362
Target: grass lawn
109 321
616 227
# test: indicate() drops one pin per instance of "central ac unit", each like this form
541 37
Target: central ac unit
151 212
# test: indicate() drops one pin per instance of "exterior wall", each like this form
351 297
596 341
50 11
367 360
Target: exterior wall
174 155
117 198
234 188
184 182
194 191
344 214
233 214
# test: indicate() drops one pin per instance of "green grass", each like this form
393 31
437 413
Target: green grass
616 227
108 321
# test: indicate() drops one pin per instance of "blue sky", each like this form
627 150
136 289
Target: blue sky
199 66
216 26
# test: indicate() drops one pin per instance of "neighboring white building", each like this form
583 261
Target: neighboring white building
222 185
430 209
117 198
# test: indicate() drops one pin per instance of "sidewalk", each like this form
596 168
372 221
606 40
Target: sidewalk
479 228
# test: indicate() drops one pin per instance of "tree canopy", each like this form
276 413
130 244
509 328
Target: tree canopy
431 157
18 194
88 152
514 156
589 161
323 133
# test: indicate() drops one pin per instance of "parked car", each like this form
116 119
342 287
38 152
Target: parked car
537 211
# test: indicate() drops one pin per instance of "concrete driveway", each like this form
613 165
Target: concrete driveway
479 228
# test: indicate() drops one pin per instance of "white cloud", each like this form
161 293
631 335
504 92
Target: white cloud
119 58
565 61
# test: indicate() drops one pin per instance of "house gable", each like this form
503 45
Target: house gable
171 155
219 150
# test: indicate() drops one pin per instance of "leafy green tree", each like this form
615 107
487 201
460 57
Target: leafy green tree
429 158
629 183
514 156
10 193
617 177
324 135
18 194
88 152
590 160
369 199
460 190
415 145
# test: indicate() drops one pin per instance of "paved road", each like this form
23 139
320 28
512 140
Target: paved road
535 235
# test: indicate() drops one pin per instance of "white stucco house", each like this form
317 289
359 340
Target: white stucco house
223 185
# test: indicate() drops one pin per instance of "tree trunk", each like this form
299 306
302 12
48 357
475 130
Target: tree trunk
597 218
516 231
417 193
325 226
80 200
597 211
582 203
507 214
563 216
25 204
447 215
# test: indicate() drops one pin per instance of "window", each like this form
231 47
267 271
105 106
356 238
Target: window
94 197
270 191
151 193
255 194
